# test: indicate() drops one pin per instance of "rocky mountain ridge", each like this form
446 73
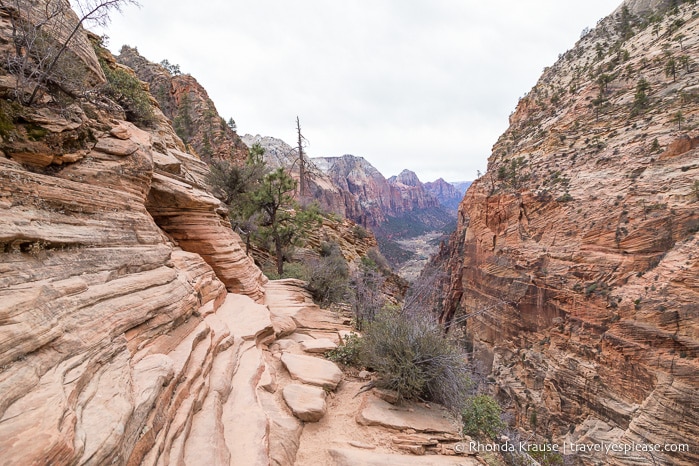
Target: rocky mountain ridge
448 195
381 199
187 104
574 262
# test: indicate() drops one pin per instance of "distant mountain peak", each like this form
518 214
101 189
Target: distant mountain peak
406 178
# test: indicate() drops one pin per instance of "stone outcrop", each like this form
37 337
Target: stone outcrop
416 417
56 20
187 104
314 371
574 263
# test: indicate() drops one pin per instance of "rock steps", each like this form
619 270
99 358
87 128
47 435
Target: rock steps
354 429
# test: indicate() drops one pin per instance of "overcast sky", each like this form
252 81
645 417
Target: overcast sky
426 85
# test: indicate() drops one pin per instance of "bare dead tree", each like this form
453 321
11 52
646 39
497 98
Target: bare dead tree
302 161
307 170
42 32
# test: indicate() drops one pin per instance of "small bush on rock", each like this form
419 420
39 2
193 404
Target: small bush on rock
481 417
413 357
328 278
348 352
126 89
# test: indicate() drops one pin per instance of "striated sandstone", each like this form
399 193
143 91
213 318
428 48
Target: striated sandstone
118 346
574 263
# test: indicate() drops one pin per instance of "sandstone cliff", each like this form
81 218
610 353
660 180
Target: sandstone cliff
187 104
574 265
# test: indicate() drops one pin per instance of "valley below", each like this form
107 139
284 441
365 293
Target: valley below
422 247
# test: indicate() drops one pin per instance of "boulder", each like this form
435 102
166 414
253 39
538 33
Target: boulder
314 371
319 345
306 402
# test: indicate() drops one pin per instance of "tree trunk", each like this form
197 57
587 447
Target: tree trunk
279 253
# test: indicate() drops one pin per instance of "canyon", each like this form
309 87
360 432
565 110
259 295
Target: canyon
135 329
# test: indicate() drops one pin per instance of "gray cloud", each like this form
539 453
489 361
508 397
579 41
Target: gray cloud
425 85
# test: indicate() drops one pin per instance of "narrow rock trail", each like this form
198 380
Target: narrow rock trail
250 386
352 429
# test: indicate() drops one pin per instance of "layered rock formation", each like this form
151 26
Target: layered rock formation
574 265
187 104
115 326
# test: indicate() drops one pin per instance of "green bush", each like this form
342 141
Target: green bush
127 91
481 417
413 357
360 232
328 248
348 352
296 270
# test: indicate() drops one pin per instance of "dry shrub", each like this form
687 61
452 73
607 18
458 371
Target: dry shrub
413 357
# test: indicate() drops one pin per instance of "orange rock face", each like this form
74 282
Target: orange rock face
575 264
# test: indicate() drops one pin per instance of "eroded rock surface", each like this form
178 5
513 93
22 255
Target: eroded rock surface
377 412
